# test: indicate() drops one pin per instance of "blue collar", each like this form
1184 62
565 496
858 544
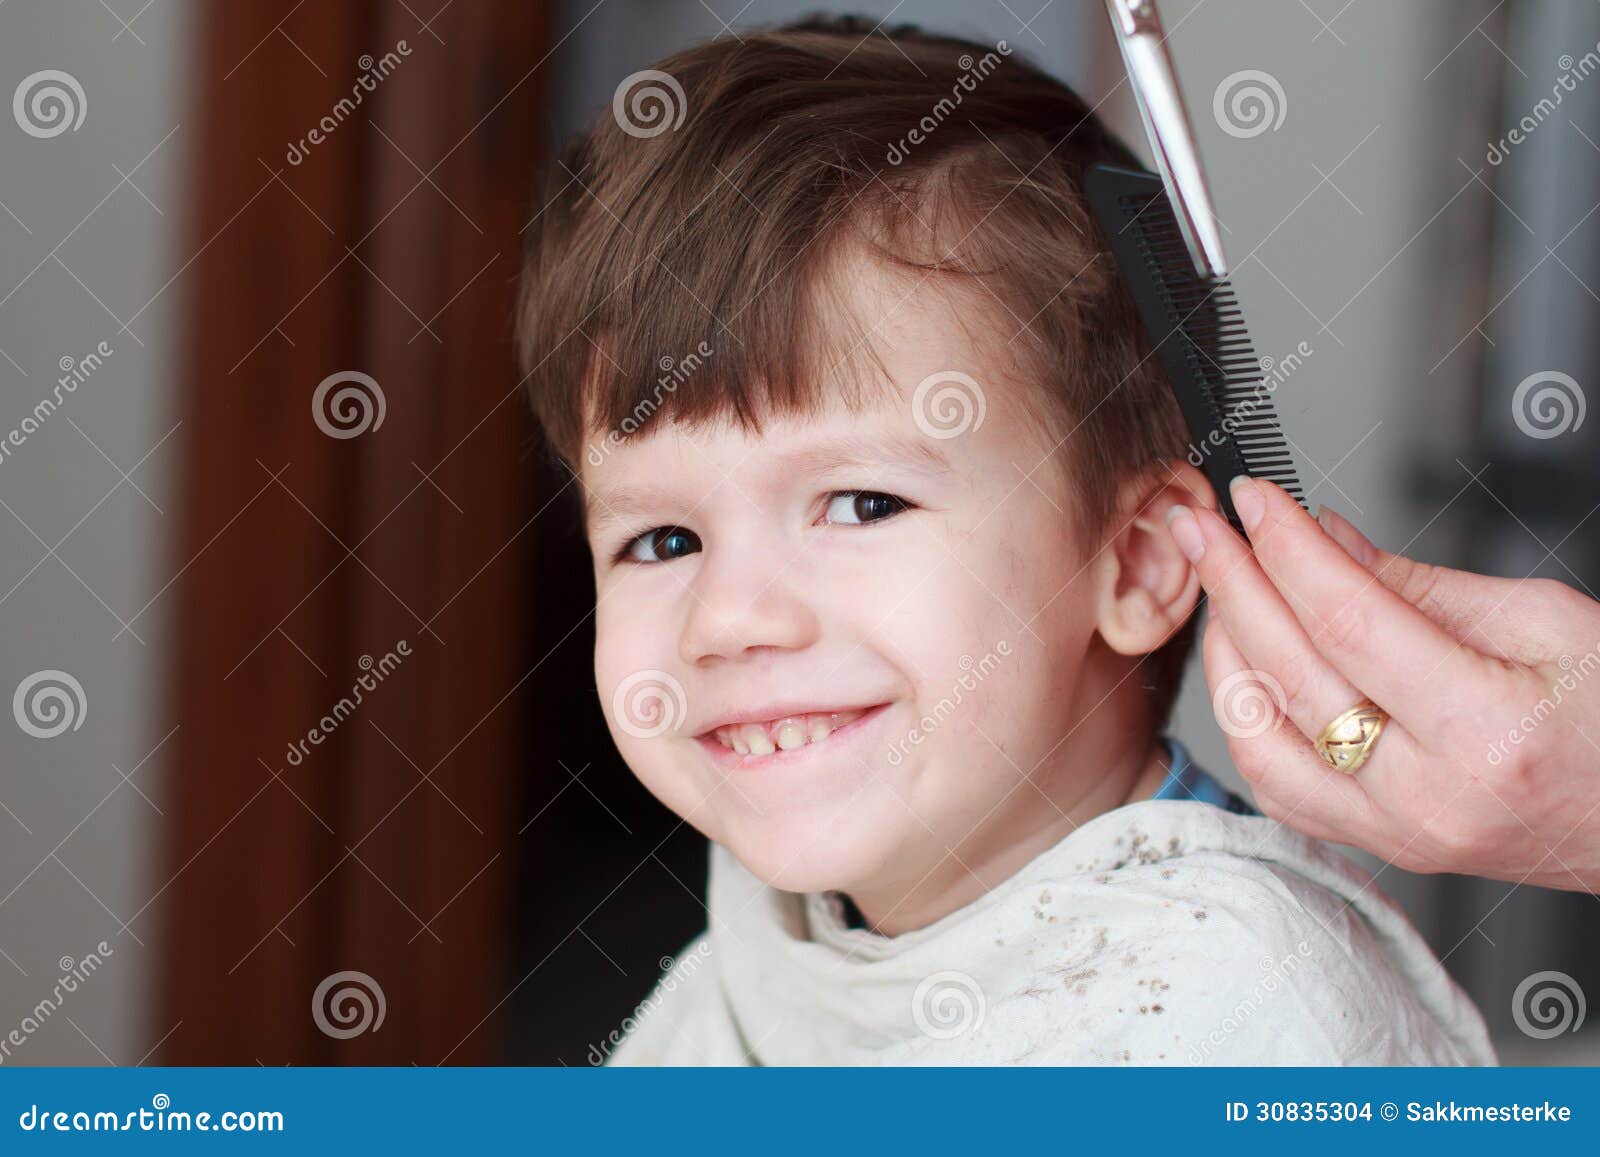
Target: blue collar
1186 780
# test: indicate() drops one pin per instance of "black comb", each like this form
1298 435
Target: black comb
1197 330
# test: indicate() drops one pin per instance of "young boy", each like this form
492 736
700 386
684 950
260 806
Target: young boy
874 463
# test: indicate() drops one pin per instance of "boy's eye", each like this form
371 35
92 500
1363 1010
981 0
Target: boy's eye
859 506
846 507
660 545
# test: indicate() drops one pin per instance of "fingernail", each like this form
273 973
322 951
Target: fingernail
1247 501
1186 533
1344 532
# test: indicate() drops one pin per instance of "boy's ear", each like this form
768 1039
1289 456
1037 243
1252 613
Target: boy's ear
1145 588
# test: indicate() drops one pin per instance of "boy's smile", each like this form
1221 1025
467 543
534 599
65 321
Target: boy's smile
760 733
876 636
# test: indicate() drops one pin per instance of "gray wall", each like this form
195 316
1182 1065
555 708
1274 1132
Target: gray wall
82 255
609 40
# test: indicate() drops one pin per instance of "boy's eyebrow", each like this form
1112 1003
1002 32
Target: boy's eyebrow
614 504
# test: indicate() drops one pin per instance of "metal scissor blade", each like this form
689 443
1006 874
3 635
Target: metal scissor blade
1166 123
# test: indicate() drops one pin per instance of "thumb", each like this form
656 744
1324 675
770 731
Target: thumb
1480 611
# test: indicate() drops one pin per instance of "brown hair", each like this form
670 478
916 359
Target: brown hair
681 254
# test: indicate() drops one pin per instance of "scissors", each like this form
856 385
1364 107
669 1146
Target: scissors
1166 123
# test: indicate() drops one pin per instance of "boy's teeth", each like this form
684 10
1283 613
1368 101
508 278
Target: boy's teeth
791 734
788 733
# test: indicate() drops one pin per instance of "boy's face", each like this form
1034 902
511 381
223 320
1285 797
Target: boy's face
922 594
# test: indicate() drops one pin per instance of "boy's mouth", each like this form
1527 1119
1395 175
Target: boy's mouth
785 732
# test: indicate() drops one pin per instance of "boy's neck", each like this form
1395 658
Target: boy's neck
956 882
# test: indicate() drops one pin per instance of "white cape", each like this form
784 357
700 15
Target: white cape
1163 932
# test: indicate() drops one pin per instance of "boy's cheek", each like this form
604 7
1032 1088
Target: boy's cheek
640 697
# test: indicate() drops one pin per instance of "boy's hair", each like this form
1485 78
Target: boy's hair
685 267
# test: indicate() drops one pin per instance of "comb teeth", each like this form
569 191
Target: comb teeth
1197 330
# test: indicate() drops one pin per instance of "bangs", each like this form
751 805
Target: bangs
737 337
736 317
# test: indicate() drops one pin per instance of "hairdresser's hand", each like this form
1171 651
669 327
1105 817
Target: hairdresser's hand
1489 764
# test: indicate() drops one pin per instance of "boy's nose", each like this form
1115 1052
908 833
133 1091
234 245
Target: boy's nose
737 607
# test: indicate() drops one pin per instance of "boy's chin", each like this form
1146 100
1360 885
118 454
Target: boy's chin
811 861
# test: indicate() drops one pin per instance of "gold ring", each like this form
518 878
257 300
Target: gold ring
1348 740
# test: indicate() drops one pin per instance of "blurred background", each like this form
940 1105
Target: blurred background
309 615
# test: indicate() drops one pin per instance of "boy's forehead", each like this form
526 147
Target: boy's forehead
910 377
664 463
